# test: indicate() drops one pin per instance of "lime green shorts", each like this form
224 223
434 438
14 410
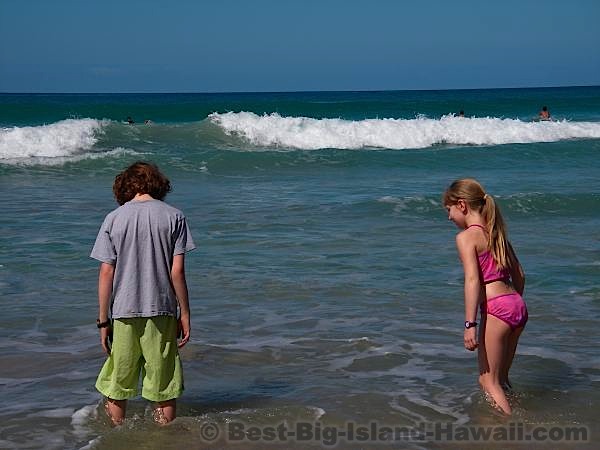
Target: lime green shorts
146 345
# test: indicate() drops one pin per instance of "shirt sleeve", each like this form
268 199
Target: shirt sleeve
104 249
183 238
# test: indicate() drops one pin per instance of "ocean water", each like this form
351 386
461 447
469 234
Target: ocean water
326 286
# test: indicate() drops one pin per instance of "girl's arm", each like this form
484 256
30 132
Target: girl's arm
181 291
516 271
467 251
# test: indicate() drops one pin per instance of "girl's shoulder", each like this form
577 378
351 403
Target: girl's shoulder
473 237
470 233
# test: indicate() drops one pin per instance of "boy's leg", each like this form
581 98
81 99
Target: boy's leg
118 378
165 412
162 372
115 410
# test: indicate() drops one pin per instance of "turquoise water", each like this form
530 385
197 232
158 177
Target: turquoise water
326 285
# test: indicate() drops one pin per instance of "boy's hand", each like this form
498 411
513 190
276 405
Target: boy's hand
105 339
183 330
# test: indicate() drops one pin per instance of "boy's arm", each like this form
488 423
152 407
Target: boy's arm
105 286
181 291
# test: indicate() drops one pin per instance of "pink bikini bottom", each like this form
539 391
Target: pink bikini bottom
509 308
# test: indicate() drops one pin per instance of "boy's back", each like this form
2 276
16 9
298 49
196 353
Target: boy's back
140 239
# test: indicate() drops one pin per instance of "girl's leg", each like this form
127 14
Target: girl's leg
513 340
165 412
115 410
492 352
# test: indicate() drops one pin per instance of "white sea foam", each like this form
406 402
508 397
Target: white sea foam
319 412
83 415
59 139
307 133
54 413
61 160
80 420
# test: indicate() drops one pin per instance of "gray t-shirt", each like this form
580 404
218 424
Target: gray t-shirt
140 239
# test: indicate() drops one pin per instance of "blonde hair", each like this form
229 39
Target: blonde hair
472 192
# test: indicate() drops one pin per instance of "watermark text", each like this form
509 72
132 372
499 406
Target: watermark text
375 432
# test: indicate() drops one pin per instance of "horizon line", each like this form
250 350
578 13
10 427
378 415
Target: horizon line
289 92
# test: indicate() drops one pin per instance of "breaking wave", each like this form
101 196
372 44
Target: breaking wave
61 139
273 130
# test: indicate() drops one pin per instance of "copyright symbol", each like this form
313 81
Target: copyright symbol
209 431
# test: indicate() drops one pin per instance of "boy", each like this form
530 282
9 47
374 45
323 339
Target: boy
141 247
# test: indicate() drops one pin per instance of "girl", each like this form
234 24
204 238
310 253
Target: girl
494 280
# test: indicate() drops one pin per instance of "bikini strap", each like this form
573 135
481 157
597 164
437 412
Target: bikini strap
477 225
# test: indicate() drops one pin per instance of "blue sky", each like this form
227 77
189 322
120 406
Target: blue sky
295 45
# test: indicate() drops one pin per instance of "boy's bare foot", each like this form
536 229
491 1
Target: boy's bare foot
115 410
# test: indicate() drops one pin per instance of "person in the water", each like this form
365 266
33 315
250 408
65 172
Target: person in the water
494 281
141 247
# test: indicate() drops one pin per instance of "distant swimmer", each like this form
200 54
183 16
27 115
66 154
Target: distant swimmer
461 113
544 113
130 120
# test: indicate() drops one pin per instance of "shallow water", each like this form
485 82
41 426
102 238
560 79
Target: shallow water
325 287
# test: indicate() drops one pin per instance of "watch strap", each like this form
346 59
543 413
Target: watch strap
102 324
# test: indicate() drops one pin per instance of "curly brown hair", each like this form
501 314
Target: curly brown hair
140 178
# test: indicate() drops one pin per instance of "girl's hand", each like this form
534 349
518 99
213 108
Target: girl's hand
470 338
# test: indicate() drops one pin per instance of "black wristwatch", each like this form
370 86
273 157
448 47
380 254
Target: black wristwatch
102 324
470 324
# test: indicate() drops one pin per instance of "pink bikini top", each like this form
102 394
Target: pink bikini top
489 269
